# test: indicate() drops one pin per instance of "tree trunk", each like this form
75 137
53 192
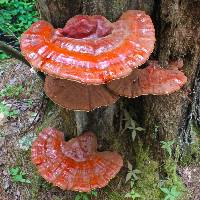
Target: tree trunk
177 31
178 26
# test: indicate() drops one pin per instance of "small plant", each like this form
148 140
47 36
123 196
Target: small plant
30 102
167 146
8 112
131 125
11 91
86 196
15 17
132 176
3 55
132 194
1 134
155 131
18 176
171 193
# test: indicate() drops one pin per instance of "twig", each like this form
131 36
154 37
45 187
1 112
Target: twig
13 52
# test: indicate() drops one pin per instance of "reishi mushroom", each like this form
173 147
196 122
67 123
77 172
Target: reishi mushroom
151 80
90 62
125 45
74 165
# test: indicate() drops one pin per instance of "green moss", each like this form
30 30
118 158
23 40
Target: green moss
148 184
115 196
11 91
150 181
170 168
23 160
51 118
38 184
191 155
35 186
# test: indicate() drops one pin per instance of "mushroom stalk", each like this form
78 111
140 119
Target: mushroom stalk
81 121
16 54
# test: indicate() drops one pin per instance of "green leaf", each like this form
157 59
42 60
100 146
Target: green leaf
14 171
3 1
3 56
133 135
128 195
167 197
135 177
85 197
136 195
130 166
140 129
28 181
137 171
132 183
126 115
128 177
165 190
18 176
93 193
133 124
174 192
78 197
167 146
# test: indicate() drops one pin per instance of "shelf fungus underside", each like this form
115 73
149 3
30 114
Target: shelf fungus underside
76 96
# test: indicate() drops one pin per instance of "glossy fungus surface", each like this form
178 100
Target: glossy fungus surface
84 26
150 80
76 96
74 165
96 52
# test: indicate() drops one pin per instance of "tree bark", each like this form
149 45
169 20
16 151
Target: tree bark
58 12
178 26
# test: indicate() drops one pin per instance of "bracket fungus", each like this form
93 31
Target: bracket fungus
151 80
96 52
76 164
96 60
90 50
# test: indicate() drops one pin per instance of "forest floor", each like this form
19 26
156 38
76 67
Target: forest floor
28 111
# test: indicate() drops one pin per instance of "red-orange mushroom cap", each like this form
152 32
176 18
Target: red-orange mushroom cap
84 26
151 80
107 51
74 165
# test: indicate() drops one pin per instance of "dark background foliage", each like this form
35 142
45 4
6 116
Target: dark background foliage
15 17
